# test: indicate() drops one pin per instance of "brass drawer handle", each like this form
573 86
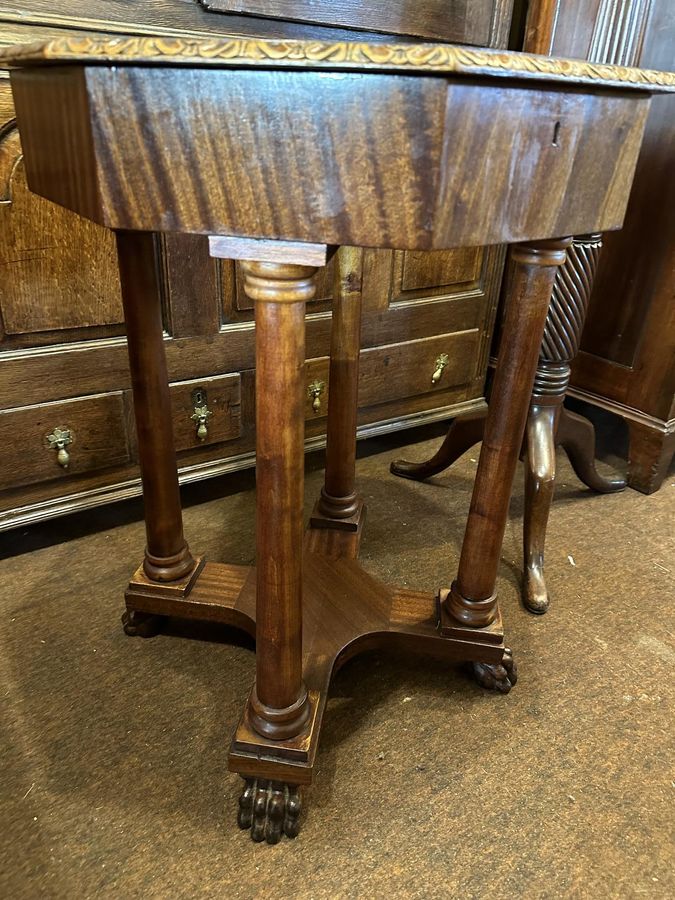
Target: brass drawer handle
201 413
441 363
314 392
58 440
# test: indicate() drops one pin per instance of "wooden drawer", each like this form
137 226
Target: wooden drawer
221 395
97 432
397 371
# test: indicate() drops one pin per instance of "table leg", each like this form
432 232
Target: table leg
339 505
279 706
472 598
167 555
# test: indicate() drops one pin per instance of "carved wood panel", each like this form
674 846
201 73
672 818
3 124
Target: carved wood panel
417 274
59 272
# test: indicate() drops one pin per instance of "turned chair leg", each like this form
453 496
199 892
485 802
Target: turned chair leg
548 422
472 598
339 506
279 703
167 555
539 490
464 433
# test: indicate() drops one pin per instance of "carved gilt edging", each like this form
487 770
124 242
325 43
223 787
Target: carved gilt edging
421 58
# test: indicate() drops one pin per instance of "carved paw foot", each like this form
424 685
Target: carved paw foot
497 677
139 624
269 809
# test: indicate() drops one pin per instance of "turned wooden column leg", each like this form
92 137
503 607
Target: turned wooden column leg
279 703
339 505
472 598
167 556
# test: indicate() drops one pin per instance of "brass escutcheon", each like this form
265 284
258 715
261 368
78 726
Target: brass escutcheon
201 413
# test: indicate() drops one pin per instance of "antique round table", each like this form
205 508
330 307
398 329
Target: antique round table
281 152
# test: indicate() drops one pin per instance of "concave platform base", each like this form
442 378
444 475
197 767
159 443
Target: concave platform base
345 611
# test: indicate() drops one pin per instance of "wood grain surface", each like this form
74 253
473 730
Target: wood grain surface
402 162
76 345
426 18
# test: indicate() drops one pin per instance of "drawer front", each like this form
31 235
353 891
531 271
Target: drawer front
466 21
398 371
59 440
206 411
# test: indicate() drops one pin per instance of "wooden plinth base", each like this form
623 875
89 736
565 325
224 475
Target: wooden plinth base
351 523
345 611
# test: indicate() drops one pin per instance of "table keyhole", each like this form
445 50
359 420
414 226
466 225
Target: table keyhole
556 133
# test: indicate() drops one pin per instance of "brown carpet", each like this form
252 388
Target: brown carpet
114 780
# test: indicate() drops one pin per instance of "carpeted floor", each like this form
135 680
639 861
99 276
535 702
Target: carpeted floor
114 779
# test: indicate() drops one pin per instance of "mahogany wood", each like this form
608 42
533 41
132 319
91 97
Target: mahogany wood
651 452
346 612
279 704
472 599
61 320
562 334
462 434
604 32
339 501
167 556
344 609
109 168
298 253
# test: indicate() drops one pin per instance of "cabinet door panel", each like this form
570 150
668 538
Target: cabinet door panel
237 307
59 271
438 270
